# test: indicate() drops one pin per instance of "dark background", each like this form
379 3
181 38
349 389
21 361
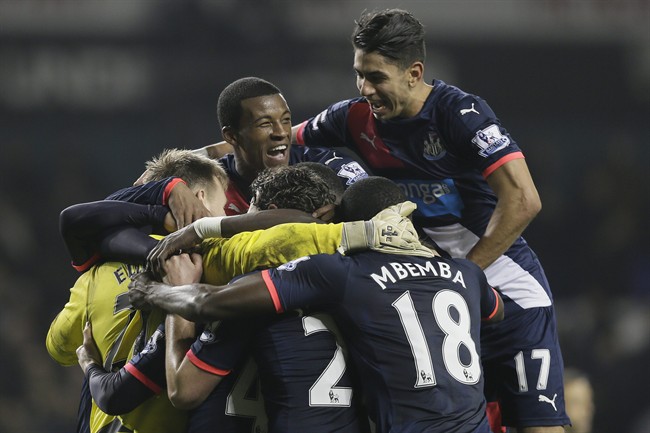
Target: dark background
89 90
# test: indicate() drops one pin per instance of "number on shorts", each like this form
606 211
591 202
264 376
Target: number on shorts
544 369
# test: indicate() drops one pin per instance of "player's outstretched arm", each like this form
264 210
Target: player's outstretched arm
204 303
215 227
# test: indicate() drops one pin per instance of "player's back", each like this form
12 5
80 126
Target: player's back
415 326
306 382
412 326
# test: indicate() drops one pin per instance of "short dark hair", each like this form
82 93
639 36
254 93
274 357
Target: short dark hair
393 33
325 172
367 197
291 187
229 109
193 168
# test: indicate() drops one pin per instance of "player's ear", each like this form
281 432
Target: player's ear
415 73
272 206
229 135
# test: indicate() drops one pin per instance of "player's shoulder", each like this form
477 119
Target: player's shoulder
338 112
451 98
303 153
345 104
319 262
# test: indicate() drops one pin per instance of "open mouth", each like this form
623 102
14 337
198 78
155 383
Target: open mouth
277 152
377 106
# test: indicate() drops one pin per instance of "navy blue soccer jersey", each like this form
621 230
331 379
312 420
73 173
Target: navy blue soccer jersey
236 405
412 328
305 381
228 409
441 158
239 195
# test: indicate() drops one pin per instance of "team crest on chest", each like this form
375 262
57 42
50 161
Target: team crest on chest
433 147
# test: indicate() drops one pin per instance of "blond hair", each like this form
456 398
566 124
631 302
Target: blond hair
195 169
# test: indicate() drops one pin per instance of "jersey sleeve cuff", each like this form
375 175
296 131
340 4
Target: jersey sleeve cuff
496 305
146 381
204 365
300 139
87 264
266 276
509 157
169 187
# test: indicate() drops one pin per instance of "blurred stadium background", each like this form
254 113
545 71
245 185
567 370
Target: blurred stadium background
91 89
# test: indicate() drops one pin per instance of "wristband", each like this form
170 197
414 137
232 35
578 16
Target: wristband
208 227
354 236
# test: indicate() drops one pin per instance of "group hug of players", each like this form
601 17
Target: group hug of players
361 271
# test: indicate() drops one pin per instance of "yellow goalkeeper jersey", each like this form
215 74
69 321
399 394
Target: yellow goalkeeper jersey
100 296
224 259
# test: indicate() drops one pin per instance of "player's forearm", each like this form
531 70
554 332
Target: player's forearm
263 220
116 393
181 300
509 220
247 296
190 301
179 335
203 302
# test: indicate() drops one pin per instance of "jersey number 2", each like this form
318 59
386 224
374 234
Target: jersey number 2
324 392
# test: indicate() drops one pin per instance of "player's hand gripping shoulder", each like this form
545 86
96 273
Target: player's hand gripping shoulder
88 353
185 206
390 231
173 243
142 285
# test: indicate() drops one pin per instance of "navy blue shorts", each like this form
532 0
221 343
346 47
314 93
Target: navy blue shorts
523 368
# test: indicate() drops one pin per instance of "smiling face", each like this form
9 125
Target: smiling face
390 90
264 136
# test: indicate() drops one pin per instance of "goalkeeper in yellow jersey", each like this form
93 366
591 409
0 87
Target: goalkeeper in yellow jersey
99 297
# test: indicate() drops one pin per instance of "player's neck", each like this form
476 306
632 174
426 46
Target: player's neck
420 95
